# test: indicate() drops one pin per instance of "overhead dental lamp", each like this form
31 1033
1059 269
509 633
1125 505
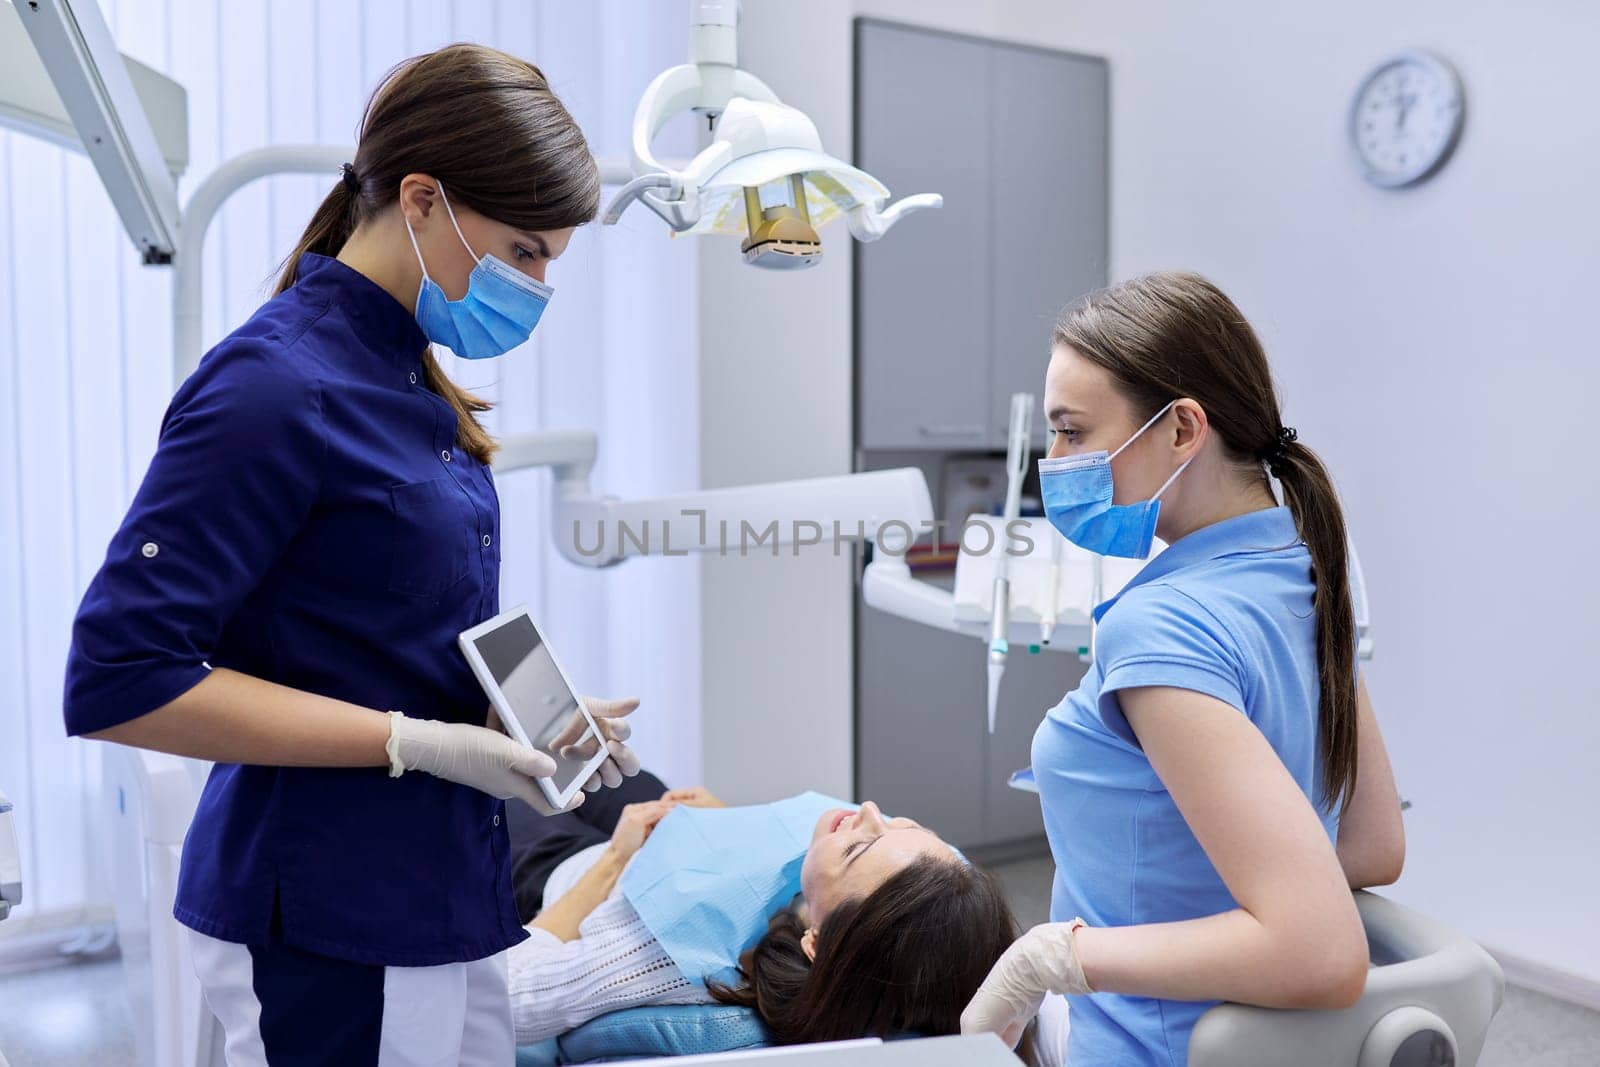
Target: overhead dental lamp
764 176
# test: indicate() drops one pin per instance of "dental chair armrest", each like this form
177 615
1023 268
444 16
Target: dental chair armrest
1430 996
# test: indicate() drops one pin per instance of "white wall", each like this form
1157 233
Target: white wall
775 373
1434 344
85 361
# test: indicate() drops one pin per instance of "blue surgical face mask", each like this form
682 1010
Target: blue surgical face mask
499 312
1077 494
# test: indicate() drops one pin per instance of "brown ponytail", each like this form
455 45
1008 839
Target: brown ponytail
487 125
1309 492
1169 335
329 229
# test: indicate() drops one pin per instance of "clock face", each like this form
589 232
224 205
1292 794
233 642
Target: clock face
1405 118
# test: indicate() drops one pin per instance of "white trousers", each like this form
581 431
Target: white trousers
289 1008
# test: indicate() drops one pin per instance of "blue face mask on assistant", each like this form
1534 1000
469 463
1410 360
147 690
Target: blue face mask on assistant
498 313
1077 493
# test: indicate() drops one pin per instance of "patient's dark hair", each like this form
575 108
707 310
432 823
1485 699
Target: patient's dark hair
905 959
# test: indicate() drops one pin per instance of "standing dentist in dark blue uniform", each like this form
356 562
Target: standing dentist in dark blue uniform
318 524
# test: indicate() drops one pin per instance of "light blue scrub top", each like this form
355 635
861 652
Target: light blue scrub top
1225 611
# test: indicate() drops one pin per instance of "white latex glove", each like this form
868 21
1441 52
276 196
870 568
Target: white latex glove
1043 960
610 716
484 759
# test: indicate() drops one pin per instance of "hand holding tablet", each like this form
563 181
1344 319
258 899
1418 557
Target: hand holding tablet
539 707
576 743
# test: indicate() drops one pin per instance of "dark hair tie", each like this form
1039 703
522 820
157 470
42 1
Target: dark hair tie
1276 455
351 182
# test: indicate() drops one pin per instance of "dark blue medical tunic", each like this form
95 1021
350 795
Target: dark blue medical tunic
308 519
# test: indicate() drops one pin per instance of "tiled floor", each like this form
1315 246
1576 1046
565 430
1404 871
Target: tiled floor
78 1014
74 1014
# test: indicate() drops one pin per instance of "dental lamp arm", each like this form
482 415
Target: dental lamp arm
704 87
868 222
636 189
203 206
746 520
598 531
705 84
700 88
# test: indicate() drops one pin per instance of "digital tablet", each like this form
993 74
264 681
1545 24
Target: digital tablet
535 698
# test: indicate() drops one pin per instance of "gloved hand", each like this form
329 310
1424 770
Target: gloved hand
610 716
1043 960
471 755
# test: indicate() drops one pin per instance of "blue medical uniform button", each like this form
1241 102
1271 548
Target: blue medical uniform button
497 820
413 377
486 540
445 455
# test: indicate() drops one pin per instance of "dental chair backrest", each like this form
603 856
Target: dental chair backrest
10 869
10 861
149 800
1430 996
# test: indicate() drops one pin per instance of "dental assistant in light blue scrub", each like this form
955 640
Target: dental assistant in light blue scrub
1216 785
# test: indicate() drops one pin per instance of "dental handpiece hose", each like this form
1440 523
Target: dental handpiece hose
1016 471
1047 625
998 645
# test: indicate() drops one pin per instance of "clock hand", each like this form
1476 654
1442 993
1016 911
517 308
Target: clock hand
1406 103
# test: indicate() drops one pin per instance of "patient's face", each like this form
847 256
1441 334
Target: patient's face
853 853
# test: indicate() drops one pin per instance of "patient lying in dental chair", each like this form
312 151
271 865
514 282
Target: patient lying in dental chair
891 933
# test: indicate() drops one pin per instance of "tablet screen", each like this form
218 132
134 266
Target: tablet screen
521 665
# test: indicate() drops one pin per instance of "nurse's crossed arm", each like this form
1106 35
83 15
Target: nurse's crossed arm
1296 939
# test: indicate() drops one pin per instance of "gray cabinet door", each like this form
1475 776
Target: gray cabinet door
953 315
922 741
1048 216
920 734
922 293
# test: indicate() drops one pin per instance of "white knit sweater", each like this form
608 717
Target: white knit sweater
615 963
